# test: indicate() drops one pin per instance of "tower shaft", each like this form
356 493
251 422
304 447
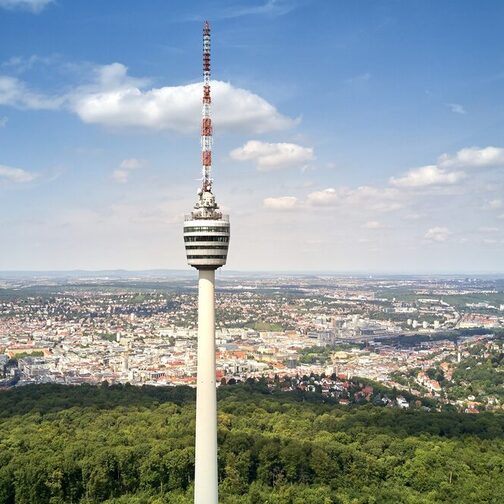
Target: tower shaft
205 482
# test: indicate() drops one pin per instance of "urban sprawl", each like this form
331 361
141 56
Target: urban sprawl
399 341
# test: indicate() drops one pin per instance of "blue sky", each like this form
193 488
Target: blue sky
349 136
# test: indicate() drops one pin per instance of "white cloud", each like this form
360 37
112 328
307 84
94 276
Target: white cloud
29 5
22 64
373 225
437 234
122 173
15 93
495 204
376 198
366 197
281 203
326 197
456 108
488 229
444 172
271 156
270 8
473 157
16 175
425 176
3 121
115 99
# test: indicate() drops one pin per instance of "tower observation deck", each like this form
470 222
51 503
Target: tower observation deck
206 235
206 239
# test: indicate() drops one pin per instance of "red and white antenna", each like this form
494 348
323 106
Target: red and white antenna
206 121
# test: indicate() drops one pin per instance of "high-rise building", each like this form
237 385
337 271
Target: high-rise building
206 237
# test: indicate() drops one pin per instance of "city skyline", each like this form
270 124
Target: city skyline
374 131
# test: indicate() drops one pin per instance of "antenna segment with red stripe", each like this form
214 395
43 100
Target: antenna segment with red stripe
206 121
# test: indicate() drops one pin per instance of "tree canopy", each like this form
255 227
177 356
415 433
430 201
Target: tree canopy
122 444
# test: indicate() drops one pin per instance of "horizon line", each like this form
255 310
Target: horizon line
246 271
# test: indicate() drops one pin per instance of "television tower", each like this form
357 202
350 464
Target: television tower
206 237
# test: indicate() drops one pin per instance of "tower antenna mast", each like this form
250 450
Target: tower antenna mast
206 120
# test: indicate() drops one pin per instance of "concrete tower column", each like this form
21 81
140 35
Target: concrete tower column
205 483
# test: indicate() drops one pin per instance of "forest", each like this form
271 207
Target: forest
124 444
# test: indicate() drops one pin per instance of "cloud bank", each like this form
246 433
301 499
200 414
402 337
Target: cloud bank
116 100
473 157
448 169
